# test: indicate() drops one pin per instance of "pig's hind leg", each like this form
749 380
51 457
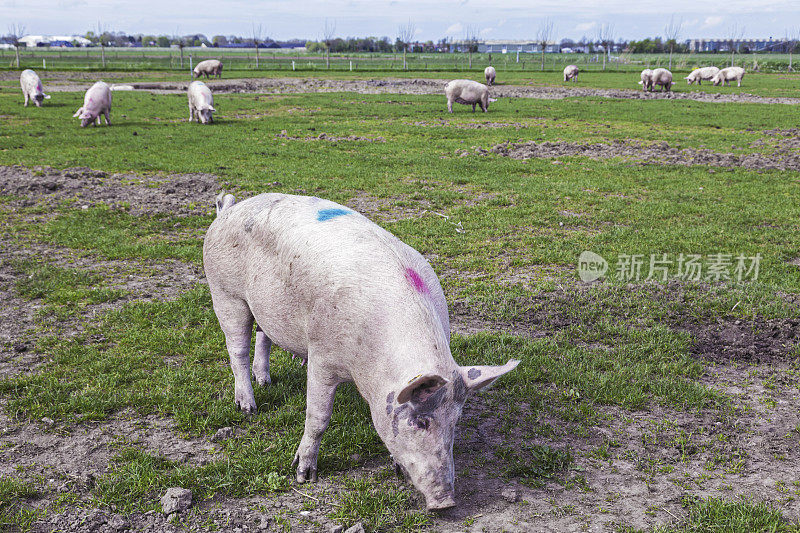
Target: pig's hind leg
320 391
261 358
236 322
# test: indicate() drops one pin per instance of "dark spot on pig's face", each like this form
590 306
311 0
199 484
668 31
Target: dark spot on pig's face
473 373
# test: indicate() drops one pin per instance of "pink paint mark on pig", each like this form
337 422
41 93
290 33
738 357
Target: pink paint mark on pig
416 281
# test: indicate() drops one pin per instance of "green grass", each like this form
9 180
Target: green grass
13 512
719 515
63 285
525 223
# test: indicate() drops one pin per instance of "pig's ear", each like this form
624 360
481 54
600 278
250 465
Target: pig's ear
78 112
478 377
420 388
492 99
211 108
47 97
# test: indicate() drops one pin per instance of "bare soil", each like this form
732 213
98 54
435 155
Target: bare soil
629 468
784 157
410 86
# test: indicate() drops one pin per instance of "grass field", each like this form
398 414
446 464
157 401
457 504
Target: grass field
640 405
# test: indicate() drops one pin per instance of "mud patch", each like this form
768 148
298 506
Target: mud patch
176 194
330 138
467 125
784 157
756 341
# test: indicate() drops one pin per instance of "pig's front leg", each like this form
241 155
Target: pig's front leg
321 389
261 358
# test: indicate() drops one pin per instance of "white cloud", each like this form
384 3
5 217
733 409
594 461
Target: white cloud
454 29
485 31
710 22
586 26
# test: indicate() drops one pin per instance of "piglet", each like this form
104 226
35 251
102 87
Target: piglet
328 285
97 101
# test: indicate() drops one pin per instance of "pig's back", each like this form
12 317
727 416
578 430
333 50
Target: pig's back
296 257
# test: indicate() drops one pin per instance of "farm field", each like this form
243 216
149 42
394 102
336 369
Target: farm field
661 404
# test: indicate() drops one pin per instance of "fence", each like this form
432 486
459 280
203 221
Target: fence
166 59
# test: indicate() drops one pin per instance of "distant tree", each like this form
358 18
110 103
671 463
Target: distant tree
671 33
735 34
219 40
471 41
258 34
327 34
102 35
163 41
15 31
791 43
605 36
544 35
404 35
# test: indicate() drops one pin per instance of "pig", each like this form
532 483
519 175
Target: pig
571 73
209 67
32 88
700 74
201 102
467 92
355 303
490 73
661 76
646 80
96 102
729 74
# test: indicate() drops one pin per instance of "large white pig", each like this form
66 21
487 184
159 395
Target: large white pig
329 286
201 102
662 77
571 73
490 74
209 67
701 74
729 74
32 87
96 102
467 92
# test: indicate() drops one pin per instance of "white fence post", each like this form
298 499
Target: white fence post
292 64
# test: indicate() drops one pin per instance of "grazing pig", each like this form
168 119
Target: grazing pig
701 74
209 67
467 92
201 102
490 73
646 80
96 102
662 77
355 303
729 74
32 88
571 73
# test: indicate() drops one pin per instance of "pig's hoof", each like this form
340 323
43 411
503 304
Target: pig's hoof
304 473
246 407
263 381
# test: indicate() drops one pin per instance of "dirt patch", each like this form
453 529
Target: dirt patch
785 156
330 138
756 341
467 125
177 194
421 86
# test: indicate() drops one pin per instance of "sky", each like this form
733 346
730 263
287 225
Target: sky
507 19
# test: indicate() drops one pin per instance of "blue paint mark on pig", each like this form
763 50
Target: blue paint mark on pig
327 214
